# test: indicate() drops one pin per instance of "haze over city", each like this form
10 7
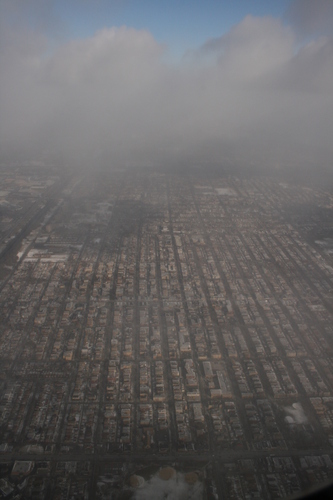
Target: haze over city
166 249
86 83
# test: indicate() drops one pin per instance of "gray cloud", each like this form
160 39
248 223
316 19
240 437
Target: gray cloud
173 489
311 17
112 99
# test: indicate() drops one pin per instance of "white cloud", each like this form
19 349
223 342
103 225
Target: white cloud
253 48
173 489
112 98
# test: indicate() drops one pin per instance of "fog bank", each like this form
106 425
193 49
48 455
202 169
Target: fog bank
256 95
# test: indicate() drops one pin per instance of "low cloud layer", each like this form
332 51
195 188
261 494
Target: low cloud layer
173 489
311 17
252 95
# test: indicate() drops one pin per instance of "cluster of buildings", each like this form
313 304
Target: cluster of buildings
158 313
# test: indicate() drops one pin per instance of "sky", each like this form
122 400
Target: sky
123 83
